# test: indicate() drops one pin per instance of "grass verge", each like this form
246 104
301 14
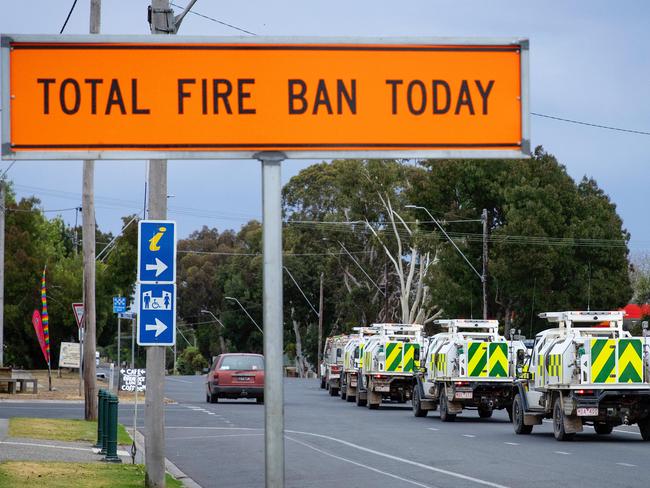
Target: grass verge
18 474
61 430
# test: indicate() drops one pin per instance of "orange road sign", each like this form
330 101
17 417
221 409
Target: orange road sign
123 98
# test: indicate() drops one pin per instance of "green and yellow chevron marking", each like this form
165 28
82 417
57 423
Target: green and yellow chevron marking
603 360
630 362
498 360
441 364
408 360
361 355
540 368
554 366
477 358
394 356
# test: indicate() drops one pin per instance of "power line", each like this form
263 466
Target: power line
216 20
608 127
74 4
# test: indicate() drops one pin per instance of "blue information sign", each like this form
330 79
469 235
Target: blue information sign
157 251
156 314
119 304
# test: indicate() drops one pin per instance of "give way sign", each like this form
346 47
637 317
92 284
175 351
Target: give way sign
78 309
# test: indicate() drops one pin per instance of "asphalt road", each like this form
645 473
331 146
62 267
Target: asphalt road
334 443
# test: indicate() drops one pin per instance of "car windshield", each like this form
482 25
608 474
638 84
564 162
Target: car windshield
248 363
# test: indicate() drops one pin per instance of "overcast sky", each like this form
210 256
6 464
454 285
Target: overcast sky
589 61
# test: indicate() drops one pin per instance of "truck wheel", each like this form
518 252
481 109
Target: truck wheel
484 413
558 422
445 416
602 428
644 428
417 405
372 406
360 402
344 394
334 391
350 398
518 417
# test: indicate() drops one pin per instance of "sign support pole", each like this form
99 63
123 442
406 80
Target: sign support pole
154 408
273 326
119 340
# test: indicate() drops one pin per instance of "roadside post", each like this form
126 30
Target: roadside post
437 98
78 310
119 307
100 417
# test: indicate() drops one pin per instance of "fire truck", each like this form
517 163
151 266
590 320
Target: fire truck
468 366
587 370
390 358
353 361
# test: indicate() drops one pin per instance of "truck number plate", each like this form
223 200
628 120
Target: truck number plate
588 412
382 388
464 394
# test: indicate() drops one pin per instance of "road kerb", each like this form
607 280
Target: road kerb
169 466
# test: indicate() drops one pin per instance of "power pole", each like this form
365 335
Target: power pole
320 325
484 218
88 205
161 18
3 204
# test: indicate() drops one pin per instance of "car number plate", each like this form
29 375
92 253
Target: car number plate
244 378
382 388
587 411
353 383
464 394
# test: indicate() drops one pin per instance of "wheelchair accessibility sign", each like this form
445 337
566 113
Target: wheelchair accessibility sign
157 314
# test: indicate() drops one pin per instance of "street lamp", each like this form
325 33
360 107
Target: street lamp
246 312
481 277
214 317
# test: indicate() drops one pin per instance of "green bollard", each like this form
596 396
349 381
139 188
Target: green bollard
111 447
107 395
100 416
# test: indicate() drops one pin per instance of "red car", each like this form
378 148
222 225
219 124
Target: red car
235 375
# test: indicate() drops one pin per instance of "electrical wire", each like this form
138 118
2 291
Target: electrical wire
599 126
74 4
216 20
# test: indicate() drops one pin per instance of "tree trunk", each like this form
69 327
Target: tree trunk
222 344
300 360
507 323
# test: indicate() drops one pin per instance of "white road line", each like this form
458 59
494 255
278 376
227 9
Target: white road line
562 452
627 465
403 460
210 428
67 448
512 443
180 381
214 436
406 480
432 428
468 435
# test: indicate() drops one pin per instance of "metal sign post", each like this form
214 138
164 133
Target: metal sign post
273 329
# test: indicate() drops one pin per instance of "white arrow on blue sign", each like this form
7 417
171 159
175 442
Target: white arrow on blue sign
156 314
157 251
